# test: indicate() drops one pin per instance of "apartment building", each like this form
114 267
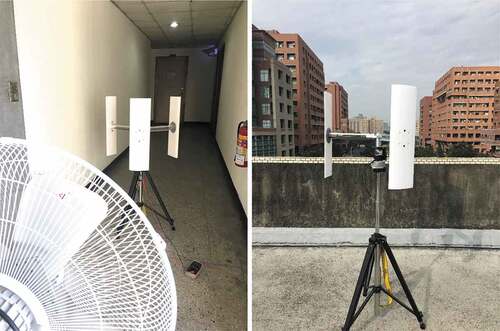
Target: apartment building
272 112
424 131
362 124
490 138
308 83
340 107
462 106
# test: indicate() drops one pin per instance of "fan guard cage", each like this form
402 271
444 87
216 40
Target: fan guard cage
81 246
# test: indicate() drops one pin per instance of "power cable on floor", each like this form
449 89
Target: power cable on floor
180 256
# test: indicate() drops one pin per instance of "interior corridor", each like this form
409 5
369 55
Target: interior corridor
210 228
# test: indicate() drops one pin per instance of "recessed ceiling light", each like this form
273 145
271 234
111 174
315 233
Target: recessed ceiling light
174 24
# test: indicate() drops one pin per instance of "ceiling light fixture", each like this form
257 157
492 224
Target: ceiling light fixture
174 24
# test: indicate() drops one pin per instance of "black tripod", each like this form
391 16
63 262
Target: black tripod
377 245
140 177
378 242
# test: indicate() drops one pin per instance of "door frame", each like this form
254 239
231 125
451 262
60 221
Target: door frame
183 96
217 87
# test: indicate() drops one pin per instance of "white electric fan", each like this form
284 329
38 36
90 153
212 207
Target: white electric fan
63 264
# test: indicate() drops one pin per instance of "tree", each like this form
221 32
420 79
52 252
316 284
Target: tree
461 150
424 151
440 150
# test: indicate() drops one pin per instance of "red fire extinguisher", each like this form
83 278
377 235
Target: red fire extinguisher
240 157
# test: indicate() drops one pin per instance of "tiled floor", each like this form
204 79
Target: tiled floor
210 228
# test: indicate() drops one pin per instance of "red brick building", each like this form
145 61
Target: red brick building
462 106
340 105
308 82
491 138
425 120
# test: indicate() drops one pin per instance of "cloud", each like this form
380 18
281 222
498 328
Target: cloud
367 45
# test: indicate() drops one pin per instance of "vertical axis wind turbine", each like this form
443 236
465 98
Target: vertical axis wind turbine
401 172
140 129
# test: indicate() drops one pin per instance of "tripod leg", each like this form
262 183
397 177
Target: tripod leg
368 276
133 185
405 287
158 197
367 262
131 192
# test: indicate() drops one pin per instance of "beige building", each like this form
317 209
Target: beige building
358 124
362 124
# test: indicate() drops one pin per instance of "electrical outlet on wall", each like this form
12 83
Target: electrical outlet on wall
13 92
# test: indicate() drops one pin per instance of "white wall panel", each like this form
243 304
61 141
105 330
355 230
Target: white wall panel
71 55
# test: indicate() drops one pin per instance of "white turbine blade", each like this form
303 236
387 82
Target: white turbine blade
402 140
175 118
327 145
140 133
111 134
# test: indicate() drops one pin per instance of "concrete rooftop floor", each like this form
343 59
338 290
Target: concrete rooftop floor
310 288
209 225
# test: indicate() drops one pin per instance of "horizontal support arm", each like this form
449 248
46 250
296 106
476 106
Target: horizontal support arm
160 128
157 128
330 135
120 127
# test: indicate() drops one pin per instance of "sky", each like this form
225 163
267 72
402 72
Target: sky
367 45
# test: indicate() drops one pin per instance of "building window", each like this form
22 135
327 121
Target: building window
264 146
290 44
289 124
290 139
279 44
287 79
288 94
290 56
264 75
280 74
282 107
292 69
280 56
266 109
283 139
289 109
282 123
280 91
266 92
266 124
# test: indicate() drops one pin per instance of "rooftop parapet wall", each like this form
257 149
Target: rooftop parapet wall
461 193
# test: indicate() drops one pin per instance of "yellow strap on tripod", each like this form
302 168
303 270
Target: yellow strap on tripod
385 274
